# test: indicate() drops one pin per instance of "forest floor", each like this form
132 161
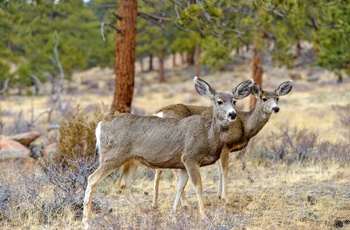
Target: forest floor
262 194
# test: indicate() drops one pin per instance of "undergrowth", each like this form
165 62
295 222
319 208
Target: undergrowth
49 193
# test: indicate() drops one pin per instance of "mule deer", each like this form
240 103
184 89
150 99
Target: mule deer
164 142
248 124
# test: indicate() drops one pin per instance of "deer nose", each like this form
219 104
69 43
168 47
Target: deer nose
276 109
232 115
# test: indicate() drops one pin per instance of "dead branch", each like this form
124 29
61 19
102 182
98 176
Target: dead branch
34 120
332 3
154 17
56 61
5 85
316 25
103 24
35 80
53 127
117 16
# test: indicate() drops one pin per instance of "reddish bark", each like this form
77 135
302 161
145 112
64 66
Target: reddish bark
189 59
257 73
298 49
125 57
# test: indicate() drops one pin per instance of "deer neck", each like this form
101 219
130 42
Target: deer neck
217 132
254 120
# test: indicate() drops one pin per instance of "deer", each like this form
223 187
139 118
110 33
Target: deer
189 143
247 125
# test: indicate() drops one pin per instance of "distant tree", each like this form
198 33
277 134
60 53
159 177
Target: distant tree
334 45
31 30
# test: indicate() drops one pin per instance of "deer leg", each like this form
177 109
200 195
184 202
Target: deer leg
156 187
219 193
100 173
193 170
127 173
223 162
182 181
183 197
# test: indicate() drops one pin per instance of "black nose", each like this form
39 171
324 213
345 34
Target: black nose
232 115
276 109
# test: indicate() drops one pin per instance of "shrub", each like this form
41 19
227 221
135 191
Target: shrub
291 144
67 170
77 140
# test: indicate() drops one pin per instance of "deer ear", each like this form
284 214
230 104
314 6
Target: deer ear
243 90
284 88
204 88
256 90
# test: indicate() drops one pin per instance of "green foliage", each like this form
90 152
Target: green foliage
31 30
334 43
23 72
4 71
215 53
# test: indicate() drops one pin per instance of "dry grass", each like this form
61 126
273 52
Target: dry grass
265 194
277 197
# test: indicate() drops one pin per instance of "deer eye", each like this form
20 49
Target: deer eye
264 99
220 102
234 102
277 99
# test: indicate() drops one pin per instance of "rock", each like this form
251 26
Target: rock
12 149
36 151
9 154
313 77
25 138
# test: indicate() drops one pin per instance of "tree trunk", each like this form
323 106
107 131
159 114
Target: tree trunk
298 49
161 66
257 73
141 65
183 59
197 53
150 68
174 60
125 57
189 59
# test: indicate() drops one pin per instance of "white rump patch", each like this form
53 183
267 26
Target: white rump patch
160 114
98 136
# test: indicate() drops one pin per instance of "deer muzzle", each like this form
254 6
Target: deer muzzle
276 109
232 115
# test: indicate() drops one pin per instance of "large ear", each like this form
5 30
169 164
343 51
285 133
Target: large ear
243 89
256 90
284 88
204 88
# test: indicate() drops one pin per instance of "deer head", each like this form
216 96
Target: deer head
223 103
269 99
